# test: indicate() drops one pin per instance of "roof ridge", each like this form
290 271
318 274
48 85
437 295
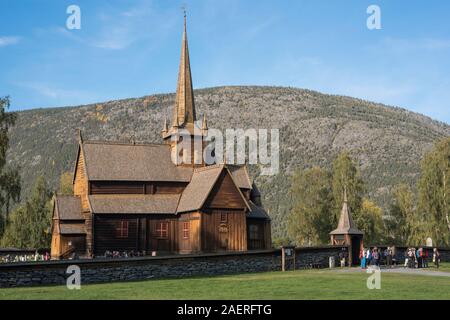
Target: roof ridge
137 195
66 196
214 166
124 143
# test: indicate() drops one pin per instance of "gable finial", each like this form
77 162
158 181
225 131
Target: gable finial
345 193
80 136
204 125
165 128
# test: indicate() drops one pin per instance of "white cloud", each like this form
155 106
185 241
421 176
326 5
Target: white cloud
9 40
57 94
404 45
140 22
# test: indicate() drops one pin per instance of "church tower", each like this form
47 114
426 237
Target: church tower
184 125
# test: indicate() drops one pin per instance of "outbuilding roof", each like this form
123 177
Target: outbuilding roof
68 207
72 228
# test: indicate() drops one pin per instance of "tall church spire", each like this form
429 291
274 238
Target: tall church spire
184 109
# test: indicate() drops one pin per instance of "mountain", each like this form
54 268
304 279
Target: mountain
387 142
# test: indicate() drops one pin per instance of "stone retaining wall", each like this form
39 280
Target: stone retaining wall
131 269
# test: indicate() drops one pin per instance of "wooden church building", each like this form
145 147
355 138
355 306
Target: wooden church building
134 197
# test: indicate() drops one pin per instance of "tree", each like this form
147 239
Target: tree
346 175
401 228
434 198
65 184
370 221
29 223
9 176
309 221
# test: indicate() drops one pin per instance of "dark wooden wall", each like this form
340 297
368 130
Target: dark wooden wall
78 242
136 187
263 235
105 234
224 236
143 234
192 244
158 244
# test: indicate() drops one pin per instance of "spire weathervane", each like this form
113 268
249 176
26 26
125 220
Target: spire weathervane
183 7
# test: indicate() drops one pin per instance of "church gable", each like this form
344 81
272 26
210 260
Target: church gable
80 180
225 194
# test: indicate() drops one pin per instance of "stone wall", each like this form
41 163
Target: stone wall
131 269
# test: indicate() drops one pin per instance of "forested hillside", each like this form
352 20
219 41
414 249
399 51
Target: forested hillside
387 142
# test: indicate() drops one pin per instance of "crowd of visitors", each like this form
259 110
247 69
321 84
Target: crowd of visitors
414 258
10 258
373 257
124 254
418 258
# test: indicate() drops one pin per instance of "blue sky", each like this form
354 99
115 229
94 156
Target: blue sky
131 48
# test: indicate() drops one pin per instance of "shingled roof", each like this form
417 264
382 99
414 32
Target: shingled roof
199 188
240 176
72 228
346 225
107 161
68 207
138 204
257 212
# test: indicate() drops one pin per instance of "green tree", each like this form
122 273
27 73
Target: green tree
346 175
65 184
9 176
309 221
434 198
406 225
30 222
401 225
370 221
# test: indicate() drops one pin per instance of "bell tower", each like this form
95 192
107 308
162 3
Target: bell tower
184 126
346 233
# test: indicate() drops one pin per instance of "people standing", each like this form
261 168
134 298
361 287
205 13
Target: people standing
406 258
368 257
394 256
419 257
425 258
342 257
388 256
362 257
376 256
436 257
413 258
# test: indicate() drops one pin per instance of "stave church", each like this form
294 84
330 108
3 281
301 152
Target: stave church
135 198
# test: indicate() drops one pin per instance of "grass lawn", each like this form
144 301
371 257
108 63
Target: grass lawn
303 284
